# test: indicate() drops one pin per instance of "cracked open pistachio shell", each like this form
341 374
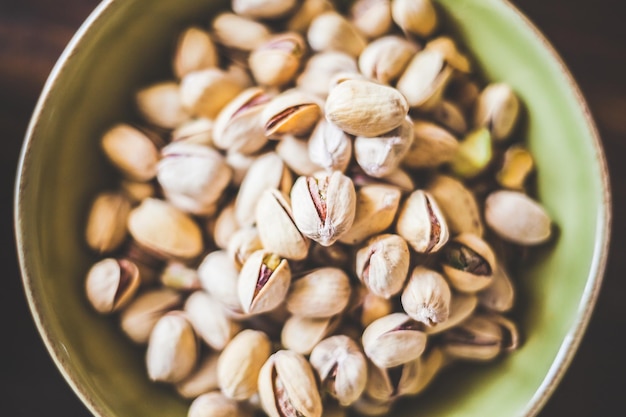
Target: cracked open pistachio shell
209 320
415 16
462 306
136 191
425 79
385 384
172 348
381 155
497 109
364 108
386 58
382 264
243 243
276 62
301 334
342 368
476 339
240 362
430 363
320 70
431 147
323 292
518 164
371 17
295 153
277 229
195 50
469 263
179 276
238 126
517 218
263 282
394 340
499 296
450 116
458 204
160 104
216 404
266 172
421 223
330 147
450 51
203 379
106 222
205 92
370 407
473 155
111 284
427 296
511 339
287 386
139 317
262 9
376 208
239 32
324 206
307 11
291 112
219 276
131 151
198 131
330 31
224 226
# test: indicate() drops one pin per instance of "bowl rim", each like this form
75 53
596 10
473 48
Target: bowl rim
570 343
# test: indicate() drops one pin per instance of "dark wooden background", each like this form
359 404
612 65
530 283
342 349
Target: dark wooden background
589 34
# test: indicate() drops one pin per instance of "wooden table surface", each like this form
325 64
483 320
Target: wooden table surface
590 36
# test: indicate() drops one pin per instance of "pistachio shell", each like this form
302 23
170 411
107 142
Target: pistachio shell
497 109
224 226
425 79
476 339
262 286
195 50
458 205
239 32
323 292
450 116
332 32
469 264
276 62
453 56
415 16
106 223
382 264
432 146
215 404
131 151
138 318
371 17
386 58
136 191
198 131
205 92
461 307
422 224
219 276
209 320
306 13
243 243
160 104
202 380
499 296
320 70
426 297
295 154
393 340
330 147
263 9
111 284
291 112
301 334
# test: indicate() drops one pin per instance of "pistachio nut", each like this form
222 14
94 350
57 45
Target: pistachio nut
198 130
476 339
450 115
497 109
469 263
263 282
421 223
341 367
138 318
376 208
301 334
243 243
427 296
320 70
240 164
209 320
216 404
165 230
364 108
263 9
195 50
458 205
276 62
291 112
131 151
398 179
179 276
371 17
450 51
462 306
431 147
386 58
499 296
205 92
172 348
382 155
323 292
111 284
324 206
266 172
219 276
425 79
385 384
307 11
136 191
203 379
517 218
238 126
295 154
276 226
239 32
330 31
518 164
330 147
394 340
287 386
473 155
106 222
224 226
370 407
382 264
160 104
415 16
240 362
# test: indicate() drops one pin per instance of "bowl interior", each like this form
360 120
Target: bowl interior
128 44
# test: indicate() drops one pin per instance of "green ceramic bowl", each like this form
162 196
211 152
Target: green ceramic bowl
127 44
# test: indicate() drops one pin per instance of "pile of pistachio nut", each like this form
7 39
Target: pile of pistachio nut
300 223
